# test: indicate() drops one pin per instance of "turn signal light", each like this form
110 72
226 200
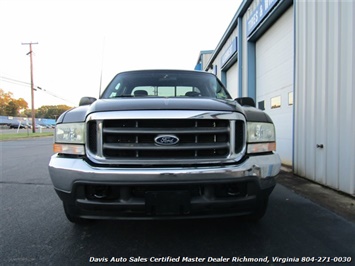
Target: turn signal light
69 149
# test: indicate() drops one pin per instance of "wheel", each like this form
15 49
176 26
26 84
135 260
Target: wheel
71 213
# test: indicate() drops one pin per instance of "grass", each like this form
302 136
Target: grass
14 136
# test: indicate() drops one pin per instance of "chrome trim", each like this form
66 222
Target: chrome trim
99 158
99 138
232 139
65 172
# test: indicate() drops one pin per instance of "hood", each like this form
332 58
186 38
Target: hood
79 114
127 104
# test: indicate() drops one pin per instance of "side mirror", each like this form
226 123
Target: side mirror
86 101
246 101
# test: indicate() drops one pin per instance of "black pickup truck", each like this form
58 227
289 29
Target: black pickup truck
164 144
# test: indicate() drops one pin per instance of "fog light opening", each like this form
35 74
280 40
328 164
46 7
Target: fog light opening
101 192
233 191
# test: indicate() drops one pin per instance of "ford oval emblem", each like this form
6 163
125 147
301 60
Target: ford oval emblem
166 140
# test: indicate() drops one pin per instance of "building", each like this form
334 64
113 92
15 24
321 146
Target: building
203 59
297 60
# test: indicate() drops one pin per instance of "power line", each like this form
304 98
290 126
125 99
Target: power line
19 84
54 95
23 83
6 79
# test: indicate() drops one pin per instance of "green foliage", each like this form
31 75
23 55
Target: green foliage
51 111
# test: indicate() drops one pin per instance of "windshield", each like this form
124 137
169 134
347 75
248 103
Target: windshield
165 84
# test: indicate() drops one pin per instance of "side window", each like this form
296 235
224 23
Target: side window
276 102
261 105
290 98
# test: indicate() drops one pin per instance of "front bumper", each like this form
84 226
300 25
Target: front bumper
65 172
135 192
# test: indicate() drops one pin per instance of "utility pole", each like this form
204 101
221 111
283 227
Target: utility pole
32 88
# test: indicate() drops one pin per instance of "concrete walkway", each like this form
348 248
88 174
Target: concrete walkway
337 202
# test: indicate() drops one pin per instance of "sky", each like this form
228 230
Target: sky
81 42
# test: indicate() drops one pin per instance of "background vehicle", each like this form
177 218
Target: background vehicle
18 125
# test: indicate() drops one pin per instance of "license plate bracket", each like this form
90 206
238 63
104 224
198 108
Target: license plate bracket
165 203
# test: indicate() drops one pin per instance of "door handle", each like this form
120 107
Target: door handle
320 146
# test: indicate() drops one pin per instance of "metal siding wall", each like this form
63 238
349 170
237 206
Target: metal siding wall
319 77
324 93
332 100
347 96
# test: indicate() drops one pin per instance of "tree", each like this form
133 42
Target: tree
10 106
21 103
11 109
51 111
5 98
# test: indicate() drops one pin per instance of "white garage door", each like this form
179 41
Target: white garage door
274 80
232 80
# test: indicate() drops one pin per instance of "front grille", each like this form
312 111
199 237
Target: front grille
118 140
135 138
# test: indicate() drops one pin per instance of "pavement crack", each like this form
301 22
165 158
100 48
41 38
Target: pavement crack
24 183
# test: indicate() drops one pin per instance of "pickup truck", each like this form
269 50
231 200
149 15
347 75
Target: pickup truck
164 144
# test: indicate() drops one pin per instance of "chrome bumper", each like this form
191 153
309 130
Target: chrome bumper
65 172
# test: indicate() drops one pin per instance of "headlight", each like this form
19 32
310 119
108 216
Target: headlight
260 132
261 137
70 133
69 138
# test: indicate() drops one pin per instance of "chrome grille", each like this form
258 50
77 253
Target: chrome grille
133 141
135 138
